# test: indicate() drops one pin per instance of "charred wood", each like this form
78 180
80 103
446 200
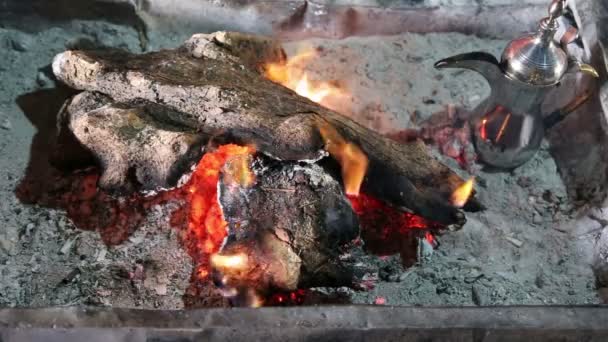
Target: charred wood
292 225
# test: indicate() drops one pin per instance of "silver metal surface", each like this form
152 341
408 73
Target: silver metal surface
536 58
508 127
312 323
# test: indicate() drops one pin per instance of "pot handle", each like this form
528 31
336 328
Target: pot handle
575 65
558 115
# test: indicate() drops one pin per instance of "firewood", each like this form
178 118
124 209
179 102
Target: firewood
211 86
287 239
133 140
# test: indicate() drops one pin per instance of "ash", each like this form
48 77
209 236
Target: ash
523 249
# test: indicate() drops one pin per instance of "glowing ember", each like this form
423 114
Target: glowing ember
293 76
206 228
296 297
373 212
380 301
352 159
462 193
430 239
387 231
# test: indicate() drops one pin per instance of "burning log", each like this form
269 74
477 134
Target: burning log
210 87
285 231
133 140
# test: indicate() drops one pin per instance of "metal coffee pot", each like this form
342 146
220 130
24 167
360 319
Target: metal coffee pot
508 126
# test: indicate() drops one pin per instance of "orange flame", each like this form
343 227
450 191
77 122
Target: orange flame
462 193
292 75
255 300
352 159
206 228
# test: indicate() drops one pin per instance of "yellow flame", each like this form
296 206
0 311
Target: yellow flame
237 171
255 300
281 72
351 158
292 75
462 193
235 262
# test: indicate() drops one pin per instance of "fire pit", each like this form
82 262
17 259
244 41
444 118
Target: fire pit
316 159
266 214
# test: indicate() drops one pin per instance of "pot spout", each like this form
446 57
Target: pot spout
481 62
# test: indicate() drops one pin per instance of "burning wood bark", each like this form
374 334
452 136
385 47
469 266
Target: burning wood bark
209 86
133 140
296 239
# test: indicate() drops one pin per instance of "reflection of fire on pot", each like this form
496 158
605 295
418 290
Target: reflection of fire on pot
508 127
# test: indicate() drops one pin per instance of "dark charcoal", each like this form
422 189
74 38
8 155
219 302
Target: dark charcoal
298 212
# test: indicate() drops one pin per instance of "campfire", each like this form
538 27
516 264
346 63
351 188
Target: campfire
325 162
252 259
275 190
